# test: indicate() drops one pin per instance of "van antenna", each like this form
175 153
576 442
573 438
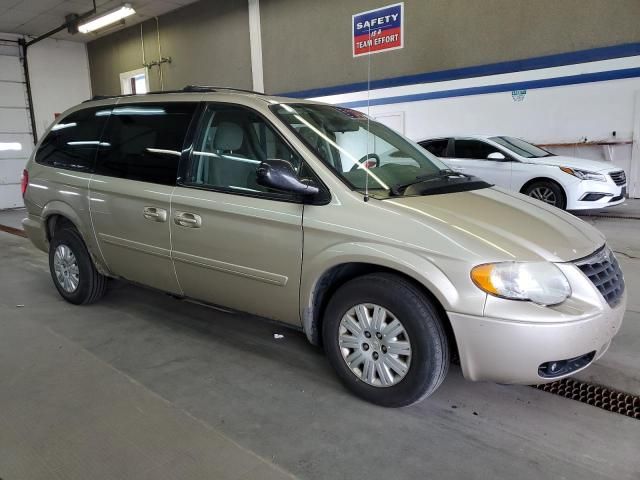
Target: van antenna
366 161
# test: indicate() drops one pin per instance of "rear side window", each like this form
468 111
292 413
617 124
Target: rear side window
144 141
437 147
473 149
72 142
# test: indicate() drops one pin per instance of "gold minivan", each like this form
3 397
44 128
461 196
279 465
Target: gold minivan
322 218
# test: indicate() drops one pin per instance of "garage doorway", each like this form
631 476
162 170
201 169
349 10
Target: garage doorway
16 137
134 82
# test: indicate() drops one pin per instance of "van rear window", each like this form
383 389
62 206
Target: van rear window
73 141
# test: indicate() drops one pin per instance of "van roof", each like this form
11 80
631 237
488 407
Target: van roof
204 89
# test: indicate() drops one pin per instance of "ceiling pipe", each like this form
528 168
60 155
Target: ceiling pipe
71 23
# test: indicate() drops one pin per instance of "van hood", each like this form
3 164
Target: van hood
504 225
573 162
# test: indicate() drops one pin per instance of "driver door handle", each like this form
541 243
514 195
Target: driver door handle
187 219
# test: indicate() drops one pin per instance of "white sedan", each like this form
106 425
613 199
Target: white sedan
565 182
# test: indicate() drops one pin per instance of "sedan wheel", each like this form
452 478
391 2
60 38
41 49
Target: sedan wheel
548 192
545 194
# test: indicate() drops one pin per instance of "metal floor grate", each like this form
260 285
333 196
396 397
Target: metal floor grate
596 395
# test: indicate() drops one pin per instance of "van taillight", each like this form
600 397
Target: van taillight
24 183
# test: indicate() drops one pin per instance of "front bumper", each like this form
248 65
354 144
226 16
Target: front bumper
580 192
508 351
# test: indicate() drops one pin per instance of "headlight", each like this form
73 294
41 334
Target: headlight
584 174
540 282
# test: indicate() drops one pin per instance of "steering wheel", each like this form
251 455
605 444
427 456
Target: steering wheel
366 158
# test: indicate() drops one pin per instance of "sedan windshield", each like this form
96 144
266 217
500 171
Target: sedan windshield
522 148
366 154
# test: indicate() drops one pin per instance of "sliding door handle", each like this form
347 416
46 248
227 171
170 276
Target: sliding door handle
189 220
155 214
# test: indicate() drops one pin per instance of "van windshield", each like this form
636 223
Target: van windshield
364 153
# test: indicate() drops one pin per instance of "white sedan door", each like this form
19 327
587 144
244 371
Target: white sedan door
470 157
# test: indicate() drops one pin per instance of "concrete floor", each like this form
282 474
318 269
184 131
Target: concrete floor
144 386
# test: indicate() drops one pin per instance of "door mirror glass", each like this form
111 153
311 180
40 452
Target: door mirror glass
280 175
497 156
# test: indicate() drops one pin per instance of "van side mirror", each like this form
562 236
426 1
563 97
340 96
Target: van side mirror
497 156
280 175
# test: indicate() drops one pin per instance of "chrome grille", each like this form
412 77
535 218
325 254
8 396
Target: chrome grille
603 270
619 178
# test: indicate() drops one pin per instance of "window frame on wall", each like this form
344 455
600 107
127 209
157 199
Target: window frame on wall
189 160
128 81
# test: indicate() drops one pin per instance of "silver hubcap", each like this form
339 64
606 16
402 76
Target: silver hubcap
374 345
544 194
66 268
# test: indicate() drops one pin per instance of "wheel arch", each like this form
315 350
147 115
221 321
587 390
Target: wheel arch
57 214
524 187
337 275
55 222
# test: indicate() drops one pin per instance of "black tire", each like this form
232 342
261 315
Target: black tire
559 198
91 285
429 347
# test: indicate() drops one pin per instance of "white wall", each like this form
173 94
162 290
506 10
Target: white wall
562 114
59 72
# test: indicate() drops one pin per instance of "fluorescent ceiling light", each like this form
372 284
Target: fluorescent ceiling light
107 19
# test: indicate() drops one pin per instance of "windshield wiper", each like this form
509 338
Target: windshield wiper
397 189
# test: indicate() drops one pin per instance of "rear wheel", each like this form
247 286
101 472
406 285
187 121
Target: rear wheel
72 269
547 192
385 340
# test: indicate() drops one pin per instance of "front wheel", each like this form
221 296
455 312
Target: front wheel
547 192
385 340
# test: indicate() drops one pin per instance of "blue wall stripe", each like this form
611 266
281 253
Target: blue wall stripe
536 63
503 87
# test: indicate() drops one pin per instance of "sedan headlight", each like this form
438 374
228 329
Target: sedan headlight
540 282
584 174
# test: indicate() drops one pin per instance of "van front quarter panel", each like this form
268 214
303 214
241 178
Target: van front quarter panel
352 232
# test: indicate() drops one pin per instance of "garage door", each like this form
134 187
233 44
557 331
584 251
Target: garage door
16 140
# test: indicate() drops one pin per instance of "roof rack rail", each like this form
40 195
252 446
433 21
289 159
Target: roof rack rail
215 88
187 89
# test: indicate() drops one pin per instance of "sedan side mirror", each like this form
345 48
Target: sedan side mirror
280 175
497 156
